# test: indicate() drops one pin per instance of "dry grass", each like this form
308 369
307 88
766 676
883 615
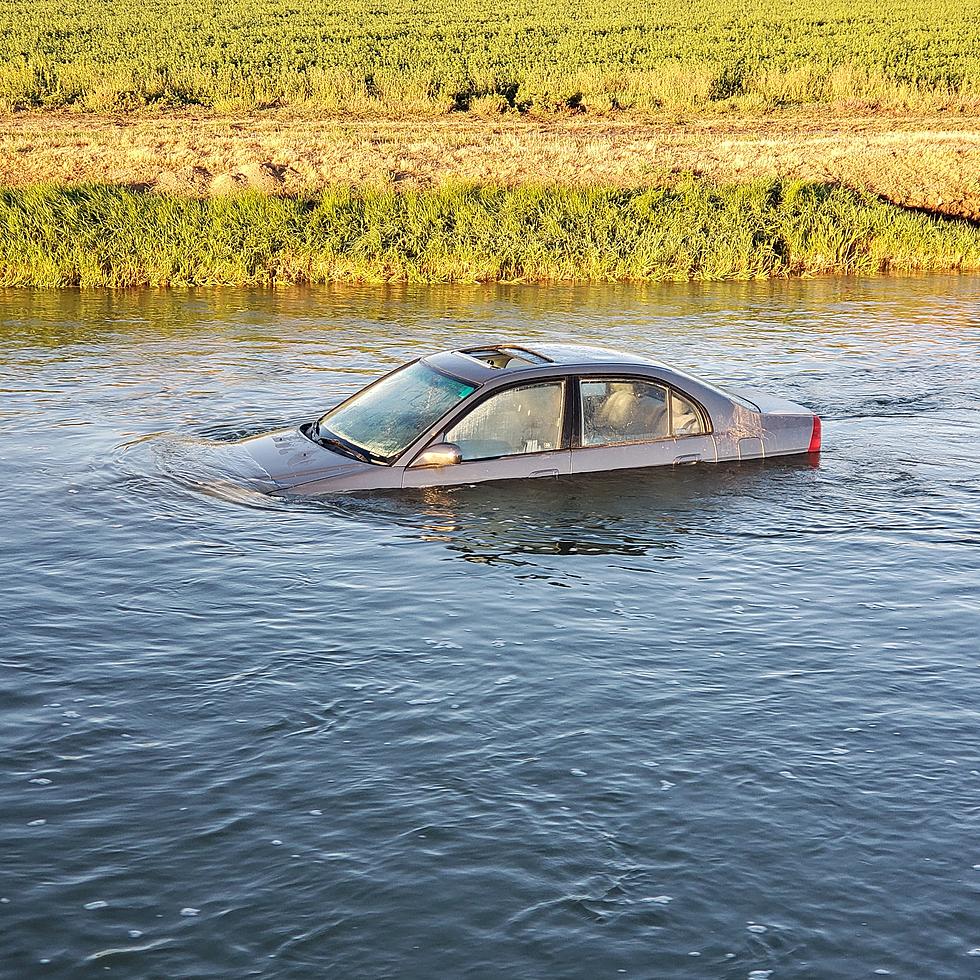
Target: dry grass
921 161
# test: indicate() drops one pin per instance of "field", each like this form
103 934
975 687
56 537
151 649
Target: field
503 56
261 142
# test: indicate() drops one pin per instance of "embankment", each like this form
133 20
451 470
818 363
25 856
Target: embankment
95 235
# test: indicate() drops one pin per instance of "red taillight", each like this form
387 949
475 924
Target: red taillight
814 446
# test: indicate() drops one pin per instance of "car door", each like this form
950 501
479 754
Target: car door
514 433
628 422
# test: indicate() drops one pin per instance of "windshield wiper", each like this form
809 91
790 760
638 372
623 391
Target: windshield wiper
345 448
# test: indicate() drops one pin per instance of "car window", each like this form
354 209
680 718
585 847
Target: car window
618 411
520 420
684 417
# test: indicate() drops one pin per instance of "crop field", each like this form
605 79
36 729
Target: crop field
487 56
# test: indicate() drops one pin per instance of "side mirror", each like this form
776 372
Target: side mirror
439 454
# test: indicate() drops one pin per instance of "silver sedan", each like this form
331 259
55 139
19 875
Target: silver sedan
509 411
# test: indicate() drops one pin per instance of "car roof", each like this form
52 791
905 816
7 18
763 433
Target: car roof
471 364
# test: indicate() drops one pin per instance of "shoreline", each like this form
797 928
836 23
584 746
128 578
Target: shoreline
281 197
100 235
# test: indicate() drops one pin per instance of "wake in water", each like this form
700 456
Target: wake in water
219 469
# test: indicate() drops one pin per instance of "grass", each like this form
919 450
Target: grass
916 161
104 235
427 56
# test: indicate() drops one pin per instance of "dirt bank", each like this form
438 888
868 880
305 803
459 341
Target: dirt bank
930 162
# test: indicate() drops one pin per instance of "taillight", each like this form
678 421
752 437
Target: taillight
814 446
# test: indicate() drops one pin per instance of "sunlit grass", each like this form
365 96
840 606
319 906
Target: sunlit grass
103 235
407 56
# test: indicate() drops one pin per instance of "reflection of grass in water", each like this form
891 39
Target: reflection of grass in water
507 56
104 235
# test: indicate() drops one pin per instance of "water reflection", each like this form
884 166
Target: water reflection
629 512
358 320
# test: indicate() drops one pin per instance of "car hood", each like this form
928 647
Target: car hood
289 459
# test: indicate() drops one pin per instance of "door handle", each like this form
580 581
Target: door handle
686 460
545 473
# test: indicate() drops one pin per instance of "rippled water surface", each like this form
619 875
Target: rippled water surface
713 722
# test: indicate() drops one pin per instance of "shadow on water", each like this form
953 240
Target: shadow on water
632 512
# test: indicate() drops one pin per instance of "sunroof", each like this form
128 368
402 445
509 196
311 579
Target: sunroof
504 356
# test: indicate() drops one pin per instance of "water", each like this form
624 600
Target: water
718 722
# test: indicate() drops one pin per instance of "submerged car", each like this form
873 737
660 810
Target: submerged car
509 411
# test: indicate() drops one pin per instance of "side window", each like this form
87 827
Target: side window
519 420
622 411
685 420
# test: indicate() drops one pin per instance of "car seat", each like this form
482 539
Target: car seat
618 409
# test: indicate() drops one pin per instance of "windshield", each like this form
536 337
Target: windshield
386 418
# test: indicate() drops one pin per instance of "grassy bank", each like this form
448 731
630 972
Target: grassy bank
103 235
505 56
926 162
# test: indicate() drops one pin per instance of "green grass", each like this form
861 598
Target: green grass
102 235
487 55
